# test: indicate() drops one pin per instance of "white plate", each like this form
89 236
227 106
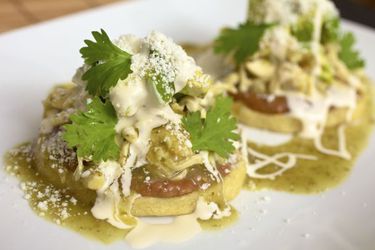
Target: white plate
35 58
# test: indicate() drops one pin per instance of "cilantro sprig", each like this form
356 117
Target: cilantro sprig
331 32
93 133
242 41
348 54
216 132
108 64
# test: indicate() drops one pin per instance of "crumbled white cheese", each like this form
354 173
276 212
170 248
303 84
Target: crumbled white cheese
287 11
73 201
42 205
48 199
135 103
279 42
184 65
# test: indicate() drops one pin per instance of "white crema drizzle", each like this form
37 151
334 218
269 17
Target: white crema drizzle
262 160
313 113
317 109
181 228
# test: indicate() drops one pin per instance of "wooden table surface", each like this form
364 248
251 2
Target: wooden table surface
18 13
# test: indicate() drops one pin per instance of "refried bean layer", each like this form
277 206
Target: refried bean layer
147 184
263 103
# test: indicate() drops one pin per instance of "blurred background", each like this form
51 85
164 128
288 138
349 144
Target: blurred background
19 13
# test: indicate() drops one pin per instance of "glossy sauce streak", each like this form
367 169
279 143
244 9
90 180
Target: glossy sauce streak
310 177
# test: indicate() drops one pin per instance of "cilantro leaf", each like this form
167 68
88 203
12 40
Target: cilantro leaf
215 133
348 54
108 64
93 132
242 41
330 30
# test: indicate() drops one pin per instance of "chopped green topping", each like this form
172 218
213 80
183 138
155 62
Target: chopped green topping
331 30
242 41
348 54
162 76
215 133
303 30
198 85
108 64
256 11
164 90
327 73
93 132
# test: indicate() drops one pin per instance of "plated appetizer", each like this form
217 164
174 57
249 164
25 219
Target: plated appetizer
140 131
143 131
292 69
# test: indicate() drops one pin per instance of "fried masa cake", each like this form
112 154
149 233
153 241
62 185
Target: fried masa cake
256 111
153 143
160 196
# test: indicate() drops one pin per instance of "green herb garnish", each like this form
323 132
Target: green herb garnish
215 133
303 30
330 30
242 41
93 132
108 64
348 54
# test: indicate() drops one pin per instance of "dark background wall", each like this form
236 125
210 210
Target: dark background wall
362 11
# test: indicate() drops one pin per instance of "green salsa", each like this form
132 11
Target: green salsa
217 224
37 189
314 176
